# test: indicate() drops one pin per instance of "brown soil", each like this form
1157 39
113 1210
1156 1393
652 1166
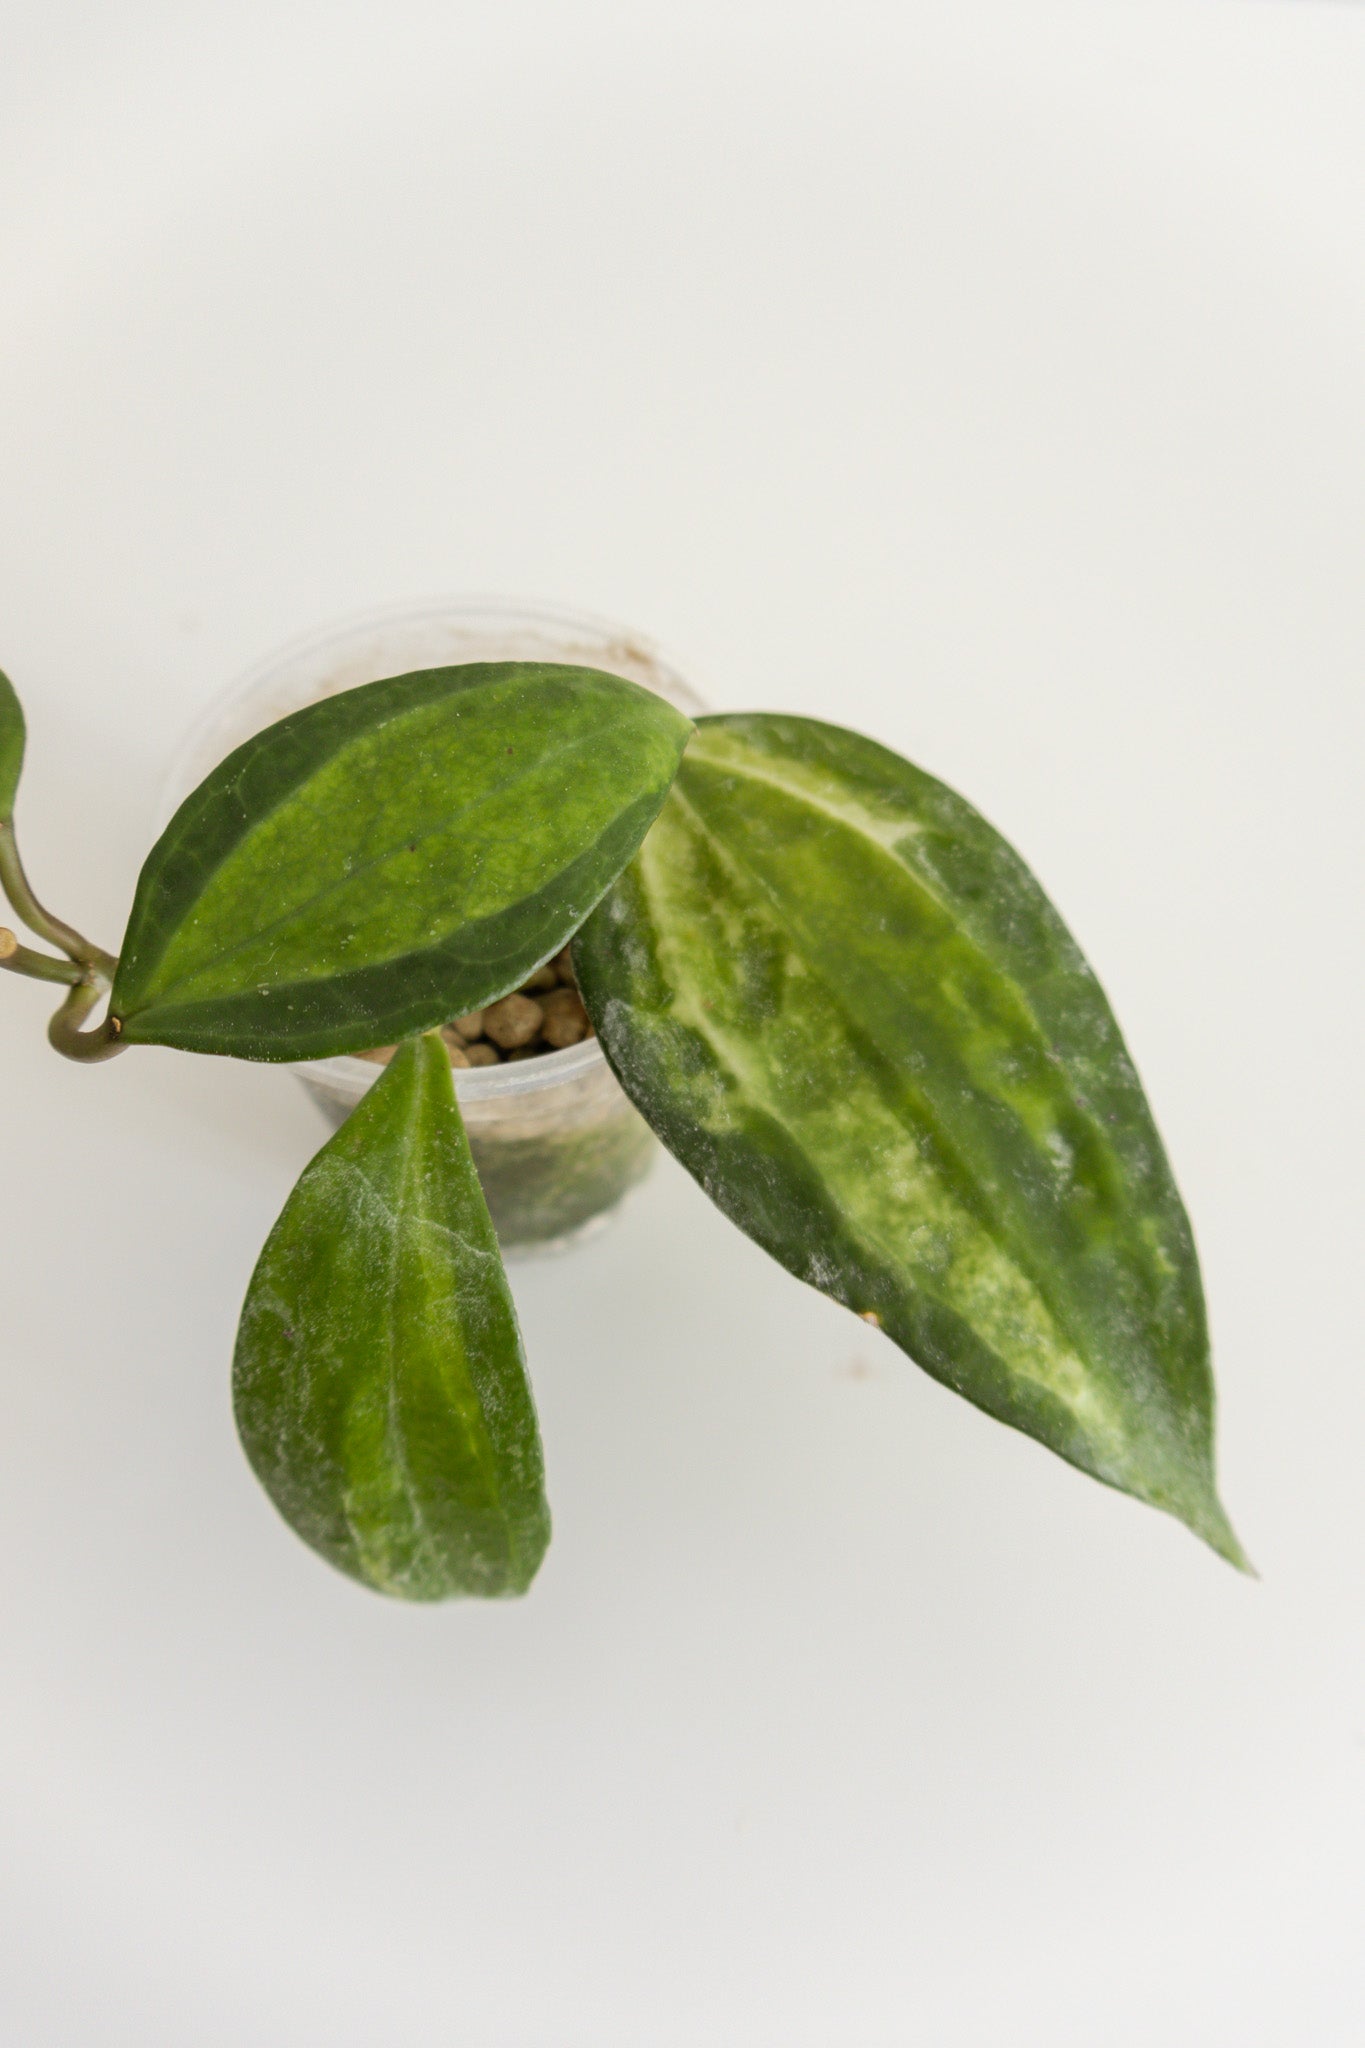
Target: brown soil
545 1014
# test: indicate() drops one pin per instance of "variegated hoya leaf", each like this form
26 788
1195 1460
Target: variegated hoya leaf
390 857
846 1005
12 736
379 1381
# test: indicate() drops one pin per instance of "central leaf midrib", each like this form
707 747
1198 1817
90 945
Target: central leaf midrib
186 981
419 1223
394 1431
838 995
1042 1040
886 1258
797 793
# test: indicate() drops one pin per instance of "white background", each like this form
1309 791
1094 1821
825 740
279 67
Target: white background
988 378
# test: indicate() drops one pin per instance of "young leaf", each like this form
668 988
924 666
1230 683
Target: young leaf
379 1381
846 1005
390 857
11 746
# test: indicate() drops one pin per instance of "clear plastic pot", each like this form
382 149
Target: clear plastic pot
556 1143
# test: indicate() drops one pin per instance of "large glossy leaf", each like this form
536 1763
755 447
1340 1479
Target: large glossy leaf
390 857
847 1006
379 1382
11 746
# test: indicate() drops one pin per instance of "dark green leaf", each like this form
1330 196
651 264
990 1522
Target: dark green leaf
845 1004
379 1382
390 857
11 746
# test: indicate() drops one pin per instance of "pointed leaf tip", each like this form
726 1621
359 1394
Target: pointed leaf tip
379 1383
1217 1531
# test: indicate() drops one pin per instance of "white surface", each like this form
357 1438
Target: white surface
989 379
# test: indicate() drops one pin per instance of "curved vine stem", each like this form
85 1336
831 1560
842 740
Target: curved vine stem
16 886
65 1034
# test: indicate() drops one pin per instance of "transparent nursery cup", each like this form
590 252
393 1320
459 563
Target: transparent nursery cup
555 1140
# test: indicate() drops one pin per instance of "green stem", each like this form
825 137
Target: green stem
65 1034
16 886
38 966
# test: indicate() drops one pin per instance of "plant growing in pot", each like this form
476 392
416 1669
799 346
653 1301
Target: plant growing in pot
824 981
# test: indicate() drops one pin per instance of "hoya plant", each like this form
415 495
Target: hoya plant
835 993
